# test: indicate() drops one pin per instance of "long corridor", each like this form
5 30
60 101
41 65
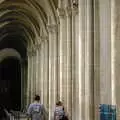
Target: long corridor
62 50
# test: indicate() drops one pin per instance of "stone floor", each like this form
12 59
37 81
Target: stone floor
18 116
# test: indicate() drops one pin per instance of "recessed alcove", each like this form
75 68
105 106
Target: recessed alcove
10 83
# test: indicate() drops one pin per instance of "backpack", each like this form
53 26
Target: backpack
37 108
59 113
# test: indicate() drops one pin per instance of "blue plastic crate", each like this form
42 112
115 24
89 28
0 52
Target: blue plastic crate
107 112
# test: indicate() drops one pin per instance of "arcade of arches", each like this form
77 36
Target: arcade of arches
66 50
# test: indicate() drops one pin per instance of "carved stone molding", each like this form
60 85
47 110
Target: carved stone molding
52 28
61 3
38 46
61 12
44 38
74 11
68 11
75 3
31 52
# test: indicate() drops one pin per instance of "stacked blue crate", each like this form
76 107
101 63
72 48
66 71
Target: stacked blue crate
107 112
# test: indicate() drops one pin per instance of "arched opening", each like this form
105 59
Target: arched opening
10 83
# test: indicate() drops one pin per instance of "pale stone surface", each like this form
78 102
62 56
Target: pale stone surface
96 61
68 62
116 52
105 51
46 70
74 56
113 27
89 63
41 72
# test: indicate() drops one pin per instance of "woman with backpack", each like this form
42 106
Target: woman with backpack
59 113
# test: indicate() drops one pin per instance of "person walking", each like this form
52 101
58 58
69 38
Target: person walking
36 110
59 113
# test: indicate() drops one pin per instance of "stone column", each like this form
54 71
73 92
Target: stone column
55 63
37 69
50 75
89 62
115 54
80 64
96 60
113 51
68 66
75 33
52 68
61 14
44 69
28 78
34 71
41 70
46 74
32 76
105 51
24 82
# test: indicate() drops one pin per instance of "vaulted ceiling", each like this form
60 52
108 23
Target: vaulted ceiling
23 21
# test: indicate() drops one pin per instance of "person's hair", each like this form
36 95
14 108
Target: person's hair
59 103
37 97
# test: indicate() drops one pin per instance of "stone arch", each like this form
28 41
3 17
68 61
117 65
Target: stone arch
33 11
10 57
29 27
9 52
24 28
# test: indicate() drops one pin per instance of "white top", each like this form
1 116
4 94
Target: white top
35 110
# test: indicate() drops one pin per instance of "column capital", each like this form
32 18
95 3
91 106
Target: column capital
44 38
34 48
74 11
37 46
68 11
75 3
75 7
61 12
31 52
52 28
